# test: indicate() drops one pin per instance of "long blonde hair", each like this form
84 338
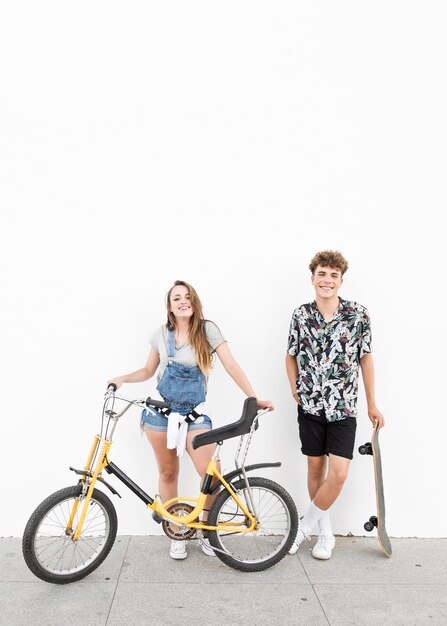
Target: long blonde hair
196 334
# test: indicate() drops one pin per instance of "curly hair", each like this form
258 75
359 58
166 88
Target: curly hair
329 258
197 335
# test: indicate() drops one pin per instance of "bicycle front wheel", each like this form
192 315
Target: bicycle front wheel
277 525
48 546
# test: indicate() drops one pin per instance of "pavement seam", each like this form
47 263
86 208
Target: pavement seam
314 590
117 581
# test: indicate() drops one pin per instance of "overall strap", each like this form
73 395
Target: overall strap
171 343
192 416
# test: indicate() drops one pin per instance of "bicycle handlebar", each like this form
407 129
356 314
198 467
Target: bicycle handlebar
112 388
157 403
164 405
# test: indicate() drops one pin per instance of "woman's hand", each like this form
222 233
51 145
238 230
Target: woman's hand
116 381
265 404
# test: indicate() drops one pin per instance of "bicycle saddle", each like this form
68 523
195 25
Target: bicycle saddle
235 429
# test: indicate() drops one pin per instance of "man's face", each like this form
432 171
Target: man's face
326 281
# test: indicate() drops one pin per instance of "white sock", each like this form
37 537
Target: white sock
311 518
324 524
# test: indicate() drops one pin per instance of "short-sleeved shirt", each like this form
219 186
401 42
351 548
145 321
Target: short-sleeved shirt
185 354
328 355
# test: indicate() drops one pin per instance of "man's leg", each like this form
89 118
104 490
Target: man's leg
313 434
340 437
337 438
327 492
316 475
318 437
325 496
330 489
338 469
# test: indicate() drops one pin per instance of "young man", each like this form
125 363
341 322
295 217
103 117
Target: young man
329 341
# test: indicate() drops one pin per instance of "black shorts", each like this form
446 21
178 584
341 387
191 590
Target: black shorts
319 437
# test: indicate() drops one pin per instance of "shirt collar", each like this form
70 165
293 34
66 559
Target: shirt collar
341 307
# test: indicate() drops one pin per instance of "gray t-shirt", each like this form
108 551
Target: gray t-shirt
185 354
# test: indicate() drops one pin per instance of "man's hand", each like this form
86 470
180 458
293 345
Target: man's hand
376 417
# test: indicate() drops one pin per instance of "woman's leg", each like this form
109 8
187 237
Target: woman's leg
200 458
168 464
168 468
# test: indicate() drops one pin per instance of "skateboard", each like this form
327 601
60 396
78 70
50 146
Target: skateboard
377 521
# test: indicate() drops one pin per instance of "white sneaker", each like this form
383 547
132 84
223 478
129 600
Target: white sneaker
206 548
300 537
178 550
323 548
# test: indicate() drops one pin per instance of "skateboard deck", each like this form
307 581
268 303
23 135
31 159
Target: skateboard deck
378 520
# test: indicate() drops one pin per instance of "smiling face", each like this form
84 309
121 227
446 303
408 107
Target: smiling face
180 302
326 281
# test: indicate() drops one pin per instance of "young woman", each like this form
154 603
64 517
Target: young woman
182 350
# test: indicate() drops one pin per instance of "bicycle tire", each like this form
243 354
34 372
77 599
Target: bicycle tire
50 552
270 542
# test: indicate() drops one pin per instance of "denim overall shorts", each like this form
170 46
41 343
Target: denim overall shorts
183 387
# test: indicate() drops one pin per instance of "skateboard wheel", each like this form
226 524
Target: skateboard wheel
369 526
362 449
373 520
366 448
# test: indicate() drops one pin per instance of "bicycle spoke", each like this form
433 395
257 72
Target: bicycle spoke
56 551
272 528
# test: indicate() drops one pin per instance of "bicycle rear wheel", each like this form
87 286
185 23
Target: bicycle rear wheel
277 526
48 547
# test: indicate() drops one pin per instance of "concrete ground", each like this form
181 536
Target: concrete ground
139 584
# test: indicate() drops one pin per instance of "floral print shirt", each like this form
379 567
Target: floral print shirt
328 355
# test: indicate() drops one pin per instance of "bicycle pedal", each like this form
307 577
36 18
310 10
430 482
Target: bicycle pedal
157 518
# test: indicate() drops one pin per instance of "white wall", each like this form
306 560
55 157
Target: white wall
223 144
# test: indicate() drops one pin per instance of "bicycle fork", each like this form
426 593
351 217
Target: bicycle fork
93 474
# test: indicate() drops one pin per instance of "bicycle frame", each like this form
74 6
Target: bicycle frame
93 472
251 524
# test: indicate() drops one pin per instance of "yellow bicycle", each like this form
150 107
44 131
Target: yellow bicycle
251 524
